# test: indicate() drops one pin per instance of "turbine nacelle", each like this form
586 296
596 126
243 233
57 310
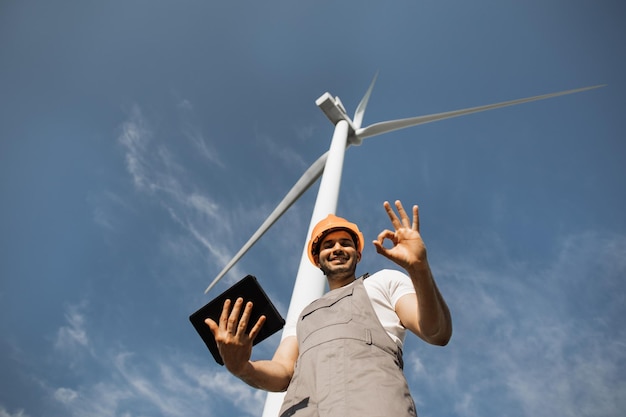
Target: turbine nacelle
335 111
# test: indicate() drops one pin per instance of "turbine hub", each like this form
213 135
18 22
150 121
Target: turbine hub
334 110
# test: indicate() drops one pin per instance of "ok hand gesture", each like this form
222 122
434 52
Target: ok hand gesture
408 248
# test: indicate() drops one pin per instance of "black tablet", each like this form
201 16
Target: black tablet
249 289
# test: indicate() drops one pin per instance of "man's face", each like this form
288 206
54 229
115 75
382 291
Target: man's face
338 254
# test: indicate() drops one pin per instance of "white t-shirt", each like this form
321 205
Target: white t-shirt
384 289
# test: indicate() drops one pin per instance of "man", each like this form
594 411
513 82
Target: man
345 358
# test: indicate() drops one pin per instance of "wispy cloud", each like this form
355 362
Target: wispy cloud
203 147
219 254
203 205
193 133
150 163
156 171
532 334
135 137
560 360
285 154
166 384
18 413
73 335
65 396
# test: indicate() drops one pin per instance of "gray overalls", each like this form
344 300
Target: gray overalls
348 366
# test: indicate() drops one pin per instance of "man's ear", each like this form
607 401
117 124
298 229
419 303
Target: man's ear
358 257
316 258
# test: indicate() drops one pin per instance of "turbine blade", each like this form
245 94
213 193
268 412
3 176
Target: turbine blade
360 110
391 125
306 180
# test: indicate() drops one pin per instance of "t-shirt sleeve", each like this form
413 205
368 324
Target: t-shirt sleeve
289 329
399 285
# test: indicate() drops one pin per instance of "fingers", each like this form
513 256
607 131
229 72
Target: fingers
403 216
243 323
225 314
386 234
212 326
234 323
233 319
403 220
378 243
257 328
392 215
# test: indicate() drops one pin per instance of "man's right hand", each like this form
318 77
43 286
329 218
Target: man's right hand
233 343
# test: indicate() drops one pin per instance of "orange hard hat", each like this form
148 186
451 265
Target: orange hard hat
331 223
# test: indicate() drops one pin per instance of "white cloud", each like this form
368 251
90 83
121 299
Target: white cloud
135 137
102 398
155 170
73 334
151 165
224 384
167 386
204 148
65 395
564 359
547 339
203 205
414 365
217 251
144 386
18 413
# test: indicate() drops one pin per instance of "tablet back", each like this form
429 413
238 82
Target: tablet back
249 289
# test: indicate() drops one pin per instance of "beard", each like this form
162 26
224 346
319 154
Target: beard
341 270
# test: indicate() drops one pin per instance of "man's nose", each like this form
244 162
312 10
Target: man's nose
337 246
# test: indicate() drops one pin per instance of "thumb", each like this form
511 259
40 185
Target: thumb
381 249
212 326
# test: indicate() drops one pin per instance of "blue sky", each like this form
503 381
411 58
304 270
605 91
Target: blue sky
143 142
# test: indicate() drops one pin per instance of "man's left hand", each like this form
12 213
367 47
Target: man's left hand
408 248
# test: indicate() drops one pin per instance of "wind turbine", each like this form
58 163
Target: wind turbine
310 282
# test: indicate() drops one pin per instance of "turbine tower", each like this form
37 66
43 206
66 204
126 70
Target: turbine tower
310 281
